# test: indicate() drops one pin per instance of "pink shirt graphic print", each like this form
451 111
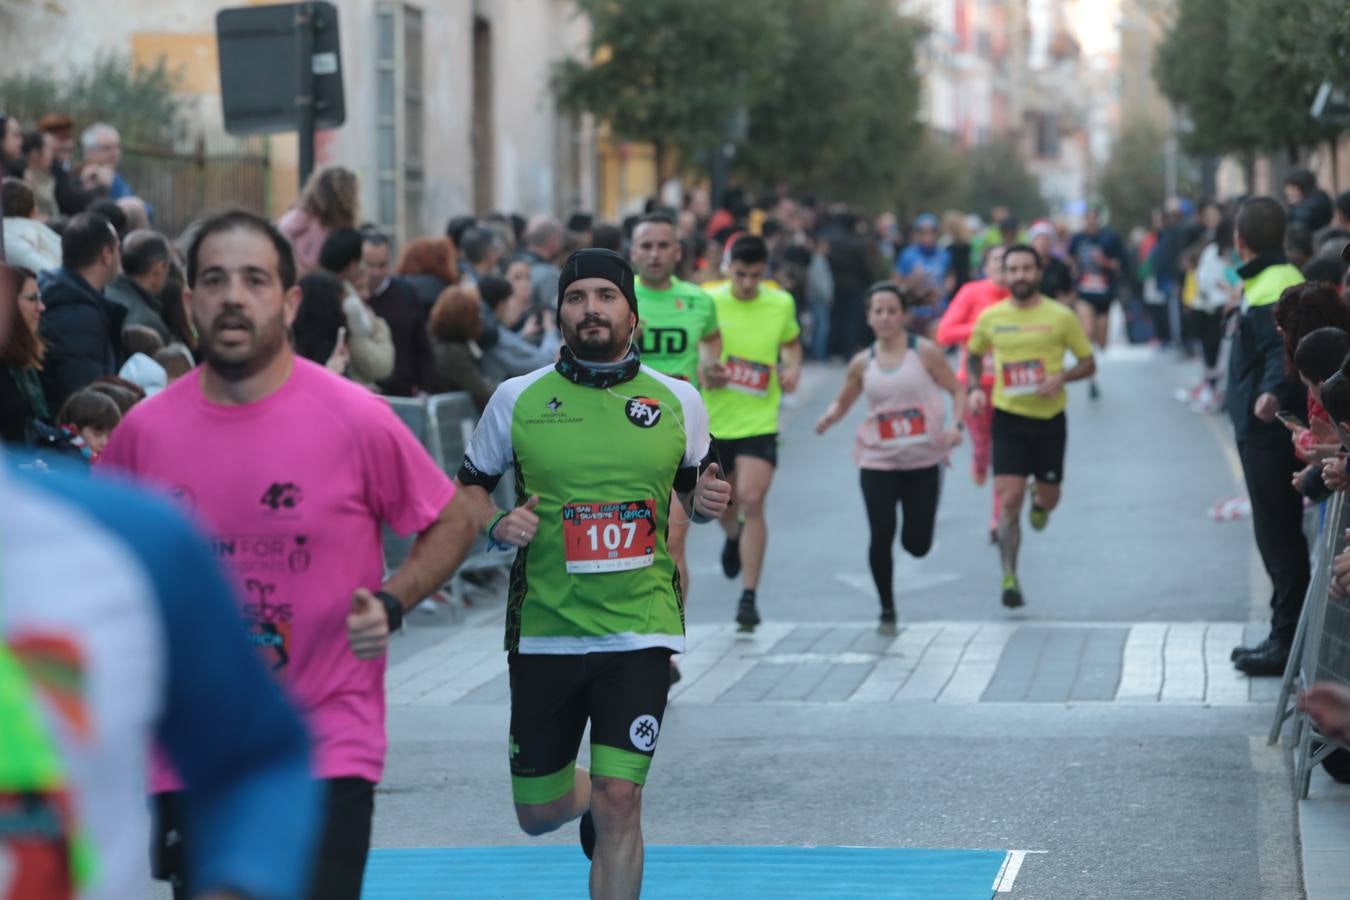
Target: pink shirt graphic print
292 490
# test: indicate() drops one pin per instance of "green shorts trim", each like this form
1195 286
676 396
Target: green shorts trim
540 789
611 762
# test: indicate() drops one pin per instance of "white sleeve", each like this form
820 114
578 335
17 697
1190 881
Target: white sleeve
489 452
696 435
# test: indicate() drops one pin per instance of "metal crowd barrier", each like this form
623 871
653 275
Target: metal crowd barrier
1321 649
443 424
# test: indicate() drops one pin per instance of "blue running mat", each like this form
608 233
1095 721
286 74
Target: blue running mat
687 873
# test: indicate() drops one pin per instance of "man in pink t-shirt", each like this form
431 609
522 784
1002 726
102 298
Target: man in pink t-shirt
292 470
954 329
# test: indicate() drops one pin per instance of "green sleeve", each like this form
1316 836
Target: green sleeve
710 323
979 336
791 330
1077 338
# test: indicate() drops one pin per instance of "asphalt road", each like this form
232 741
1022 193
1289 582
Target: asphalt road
1166 792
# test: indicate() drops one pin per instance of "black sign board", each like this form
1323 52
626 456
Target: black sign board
281 70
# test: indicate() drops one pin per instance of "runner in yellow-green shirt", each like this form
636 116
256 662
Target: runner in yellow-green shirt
1029 335
679 335
761 358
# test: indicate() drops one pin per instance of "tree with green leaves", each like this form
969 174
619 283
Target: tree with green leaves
1133 183
1244 72
936 177
840 119
673 73
1000 177
140 101
1274 76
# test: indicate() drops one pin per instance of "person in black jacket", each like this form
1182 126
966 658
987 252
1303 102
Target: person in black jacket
1259 386
396 302
1309 205
82 328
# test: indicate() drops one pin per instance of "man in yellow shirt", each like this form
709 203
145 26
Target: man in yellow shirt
1029 336
761 360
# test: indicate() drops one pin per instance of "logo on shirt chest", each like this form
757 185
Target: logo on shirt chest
664 341
282 499
643 412
554 413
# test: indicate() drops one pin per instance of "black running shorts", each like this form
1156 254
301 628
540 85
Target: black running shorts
760 446
1100 303
622 694
1025 446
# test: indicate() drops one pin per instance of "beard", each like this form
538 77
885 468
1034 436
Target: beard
607 345
1023 290
241 360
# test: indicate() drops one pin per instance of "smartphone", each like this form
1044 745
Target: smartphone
1291 419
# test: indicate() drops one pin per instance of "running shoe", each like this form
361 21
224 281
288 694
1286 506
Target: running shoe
1038 517
1012 592
588 834
731 557
887 623
746 614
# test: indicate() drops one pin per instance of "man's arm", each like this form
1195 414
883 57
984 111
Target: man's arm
790 372
958 321
974 368
1270 348
437 552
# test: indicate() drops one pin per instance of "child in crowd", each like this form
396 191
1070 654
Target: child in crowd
90 416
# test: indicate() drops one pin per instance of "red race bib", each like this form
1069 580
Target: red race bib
1023 378
1093 283
748 377
906 426
609 537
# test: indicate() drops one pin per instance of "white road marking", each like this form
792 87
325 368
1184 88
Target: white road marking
744 654
921 582
978 663
939 662
1224 685
1141 673
1012 865
1184 662
895 668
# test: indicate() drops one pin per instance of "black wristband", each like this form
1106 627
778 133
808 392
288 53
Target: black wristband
393 609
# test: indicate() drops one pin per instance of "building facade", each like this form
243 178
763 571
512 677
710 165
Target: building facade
448 107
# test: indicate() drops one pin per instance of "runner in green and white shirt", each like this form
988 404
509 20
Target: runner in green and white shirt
596 445
678 332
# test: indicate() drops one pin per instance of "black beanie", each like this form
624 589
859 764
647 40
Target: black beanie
594 262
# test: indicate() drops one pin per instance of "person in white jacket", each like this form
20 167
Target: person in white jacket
1217 290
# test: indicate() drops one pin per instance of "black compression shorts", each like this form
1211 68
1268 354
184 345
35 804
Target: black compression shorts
1025 446
622 694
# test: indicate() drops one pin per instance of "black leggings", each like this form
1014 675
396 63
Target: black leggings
917 493
1210 327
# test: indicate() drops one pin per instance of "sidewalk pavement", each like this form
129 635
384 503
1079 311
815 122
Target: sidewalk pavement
1324 836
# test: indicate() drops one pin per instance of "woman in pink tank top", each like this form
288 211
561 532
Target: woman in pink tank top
904 441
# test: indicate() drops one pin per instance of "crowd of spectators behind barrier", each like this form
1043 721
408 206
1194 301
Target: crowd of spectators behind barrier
103 296
1250 288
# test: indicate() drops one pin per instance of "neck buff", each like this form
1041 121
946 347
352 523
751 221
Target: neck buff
597 375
